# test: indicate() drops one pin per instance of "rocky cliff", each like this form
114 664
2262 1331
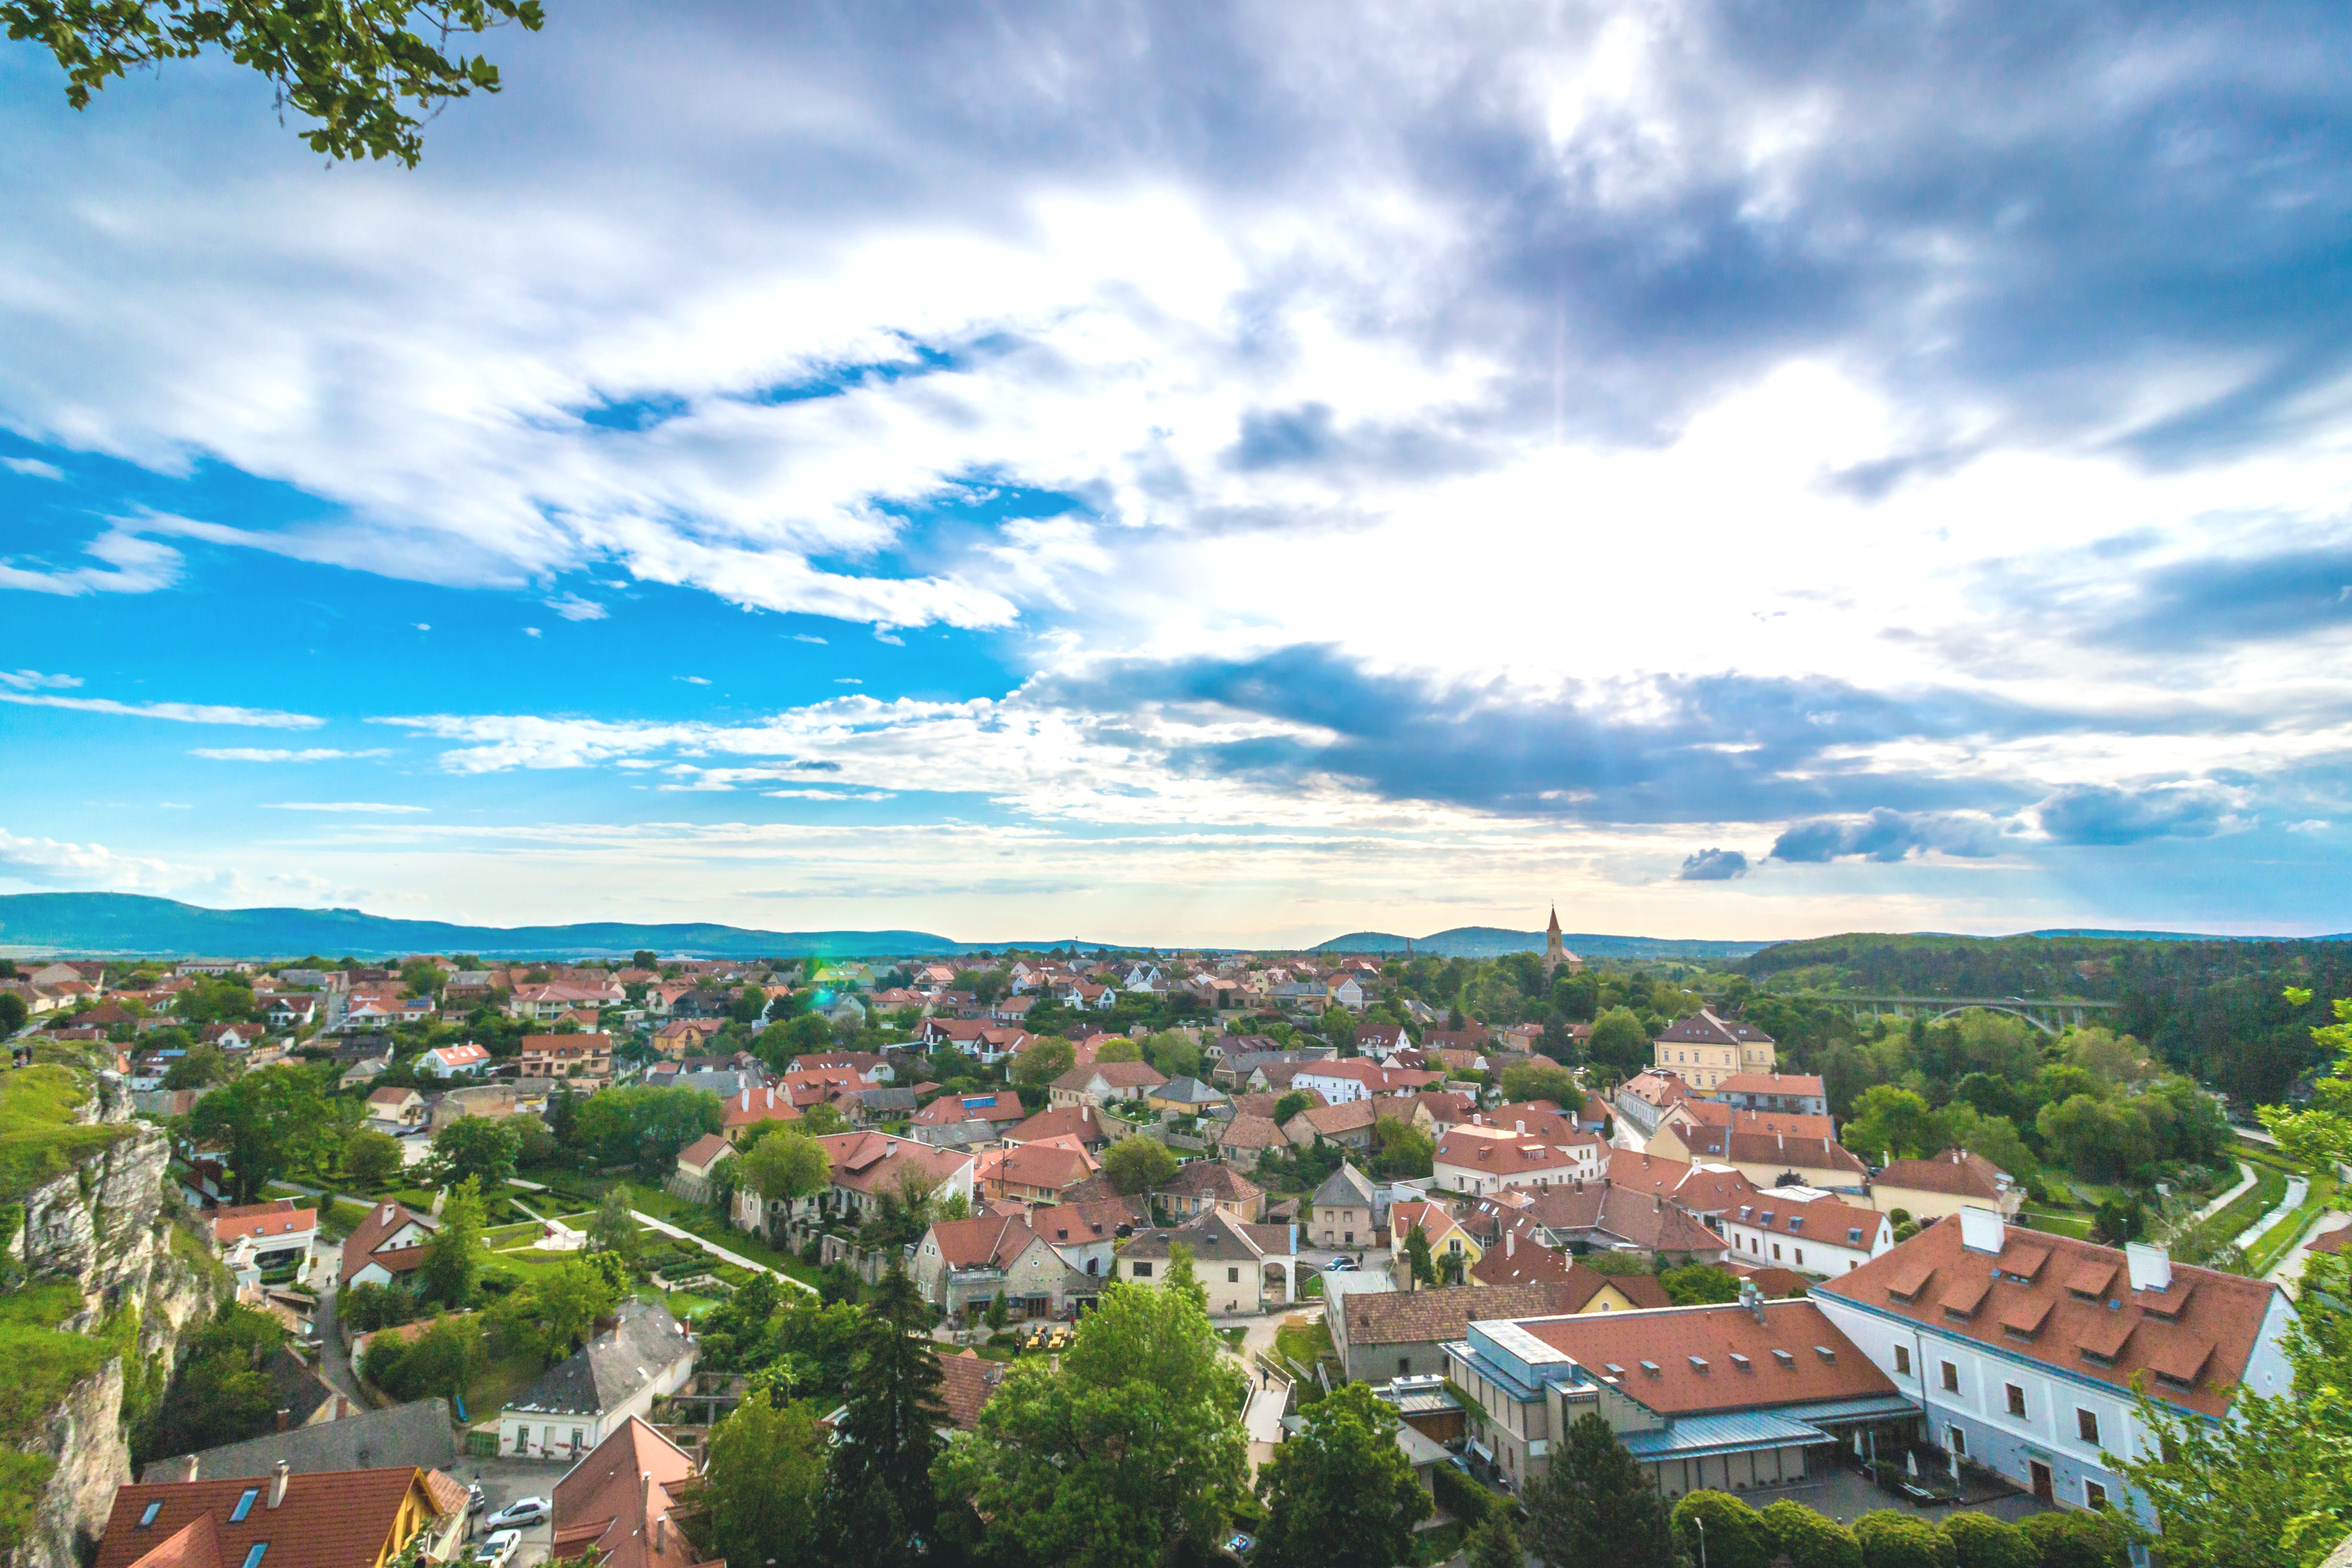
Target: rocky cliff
104 1226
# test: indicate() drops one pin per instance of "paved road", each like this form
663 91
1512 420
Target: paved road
2297 1189
334 1361
2246 1179
716 1250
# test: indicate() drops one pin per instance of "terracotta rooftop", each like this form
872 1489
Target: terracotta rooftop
1705 1029
1050 1166
1956 1172
1474 1150
620 1499
967 1382
1209 1179
2200 1334
1786 1083
1247 1132
874 1162
1688 1361
990 1241
329 1519
1416 1316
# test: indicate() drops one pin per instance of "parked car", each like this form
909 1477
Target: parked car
520 1513
1341 1265
500 1549
1240 1543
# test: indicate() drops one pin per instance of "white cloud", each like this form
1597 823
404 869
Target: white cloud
573 608
693 680
424 627
530 631
370 808
134 564
32 467
33 679
183 712
268 755
847 681
804 637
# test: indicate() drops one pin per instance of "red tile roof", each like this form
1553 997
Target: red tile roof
1956 1172
1083 1122
622 1499
1785 1083
1680 1362
967 1384
2203 1329
365 1244
329 1519
989 1241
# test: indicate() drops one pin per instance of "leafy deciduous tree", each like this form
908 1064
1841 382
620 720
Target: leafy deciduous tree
1341 1492
1594 1505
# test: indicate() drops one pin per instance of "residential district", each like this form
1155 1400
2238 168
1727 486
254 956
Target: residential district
1107 1259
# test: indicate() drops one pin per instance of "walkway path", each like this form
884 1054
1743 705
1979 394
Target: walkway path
2297 1189
2246 1179
716 1250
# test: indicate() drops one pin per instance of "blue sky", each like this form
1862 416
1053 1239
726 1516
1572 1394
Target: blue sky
1200 473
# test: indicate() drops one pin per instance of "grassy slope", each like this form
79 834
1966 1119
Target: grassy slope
39 1140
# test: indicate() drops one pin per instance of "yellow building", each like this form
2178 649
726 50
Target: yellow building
1703 1049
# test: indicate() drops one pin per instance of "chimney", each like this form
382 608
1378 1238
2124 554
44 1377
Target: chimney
661 1534
284 1414
2151 1267
1510 1244
277 1483
1982 1230
1523 1126
645 1492
190 1469
1752 1299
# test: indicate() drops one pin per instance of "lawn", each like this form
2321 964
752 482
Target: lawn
2075 1226
1304 1345
2271 1247
39 1140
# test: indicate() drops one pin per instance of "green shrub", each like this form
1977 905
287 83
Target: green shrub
1892 1539
1460 1496
2075 1539
1980 1540
1810 1540
1736 1537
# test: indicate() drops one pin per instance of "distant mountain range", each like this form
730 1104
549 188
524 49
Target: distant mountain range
1493 942
106 924
131 924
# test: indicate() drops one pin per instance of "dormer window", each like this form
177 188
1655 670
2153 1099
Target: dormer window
147 1515
1788 1363
1652 1368
243 1505
1741 1363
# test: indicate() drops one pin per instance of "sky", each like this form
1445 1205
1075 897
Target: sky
1205 474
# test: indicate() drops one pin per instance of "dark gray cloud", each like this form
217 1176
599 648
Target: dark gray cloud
2197 603
1683 749
1886 836
1714 865
2101 814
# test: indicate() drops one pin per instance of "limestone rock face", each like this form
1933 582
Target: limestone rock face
104 1224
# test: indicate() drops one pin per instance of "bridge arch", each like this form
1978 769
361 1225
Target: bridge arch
2044 1027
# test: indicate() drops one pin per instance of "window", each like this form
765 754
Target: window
2086 1426
1951 1378
1233 1276
1405 1365
578 1436
1140 1270
147 1515
253 1558
1801 1255
2095 1495
1776 1251
1453 1244
1902 1361
2016 1400
1957 1441
243 1505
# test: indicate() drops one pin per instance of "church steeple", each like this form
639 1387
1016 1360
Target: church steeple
1555 950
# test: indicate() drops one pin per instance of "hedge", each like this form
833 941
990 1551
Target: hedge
2077 1539
1980 1540
1736 1536
1892 1539
1809 1540
1460 1496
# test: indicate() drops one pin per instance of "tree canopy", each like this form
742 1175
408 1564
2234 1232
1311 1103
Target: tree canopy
1130 1451
369 72
1341 1494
